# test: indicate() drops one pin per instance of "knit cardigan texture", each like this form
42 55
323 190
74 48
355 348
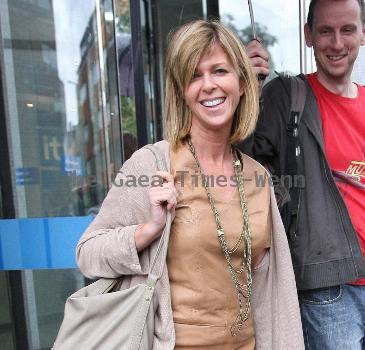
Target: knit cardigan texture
107 249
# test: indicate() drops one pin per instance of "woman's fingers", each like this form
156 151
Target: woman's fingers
165 177
162 196
167 188
165 194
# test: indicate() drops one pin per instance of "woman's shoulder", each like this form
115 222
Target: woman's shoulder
251 165
162 145
144 158
144 151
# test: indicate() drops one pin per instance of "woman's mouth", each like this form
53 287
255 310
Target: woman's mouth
213 102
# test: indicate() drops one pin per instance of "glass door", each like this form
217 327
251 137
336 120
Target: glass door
63 133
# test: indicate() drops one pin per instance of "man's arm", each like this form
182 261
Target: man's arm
268 143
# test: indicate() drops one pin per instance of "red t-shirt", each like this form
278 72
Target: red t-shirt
343 125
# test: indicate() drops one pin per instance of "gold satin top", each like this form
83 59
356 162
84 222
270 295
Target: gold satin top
203 296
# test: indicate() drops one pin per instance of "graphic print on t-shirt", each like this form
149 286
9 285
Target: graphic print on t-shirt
355 174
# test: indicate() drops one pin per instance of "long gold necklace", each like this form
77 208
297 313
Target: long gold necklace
243 291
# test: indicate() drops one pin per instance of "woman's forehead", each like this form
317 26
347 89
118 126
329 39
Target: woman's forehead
214 54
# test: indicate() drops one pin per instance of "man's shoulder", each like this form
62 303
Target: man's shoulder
276 94
280 82
280 86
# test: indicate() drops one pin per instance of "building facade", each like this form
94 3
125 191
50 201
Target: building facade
81 88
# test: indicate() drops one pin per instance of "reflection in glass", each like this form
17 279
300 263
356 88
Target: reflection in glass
54 105
63 124
160 18
6 339
109 72
126 75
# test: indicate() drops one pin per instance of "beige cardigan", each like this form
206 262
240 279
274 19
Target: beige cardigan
107 249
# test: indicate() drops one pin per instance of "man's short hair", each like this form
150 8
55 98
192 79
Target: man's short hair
313 4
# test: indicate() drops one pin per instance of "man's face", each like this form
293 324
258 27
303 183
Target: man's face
336 36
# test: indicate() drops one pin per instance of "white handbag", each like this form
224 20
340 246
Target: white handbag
102 317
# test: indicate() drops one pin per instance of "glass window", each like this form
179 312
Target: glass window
359 67
6 339
277 24
160 17
110 69
58 64
126 76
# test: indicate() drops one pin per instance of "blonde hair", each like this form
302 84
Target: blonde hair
186 47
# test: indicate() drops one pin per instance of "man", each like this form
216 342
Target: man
326 231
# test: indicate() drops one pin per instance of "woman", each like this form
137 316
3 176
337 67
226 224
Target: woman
228 281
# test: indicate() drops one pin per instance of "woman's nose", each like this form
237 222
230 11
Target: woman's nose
208 83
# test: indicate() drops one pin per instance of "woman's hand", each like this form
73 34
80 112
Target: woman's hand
162 199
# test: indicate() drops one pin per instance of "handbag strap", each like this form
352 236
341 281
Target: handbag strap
159 259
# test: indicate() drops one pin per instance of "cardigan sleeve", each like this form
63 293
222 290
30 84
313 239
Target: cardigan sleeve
107 247
274 296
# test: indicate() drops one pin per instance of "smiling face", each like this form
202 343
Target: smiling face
336 36
214 92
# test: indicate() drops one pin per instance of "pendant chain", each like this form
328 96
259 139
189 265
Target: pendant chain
243 291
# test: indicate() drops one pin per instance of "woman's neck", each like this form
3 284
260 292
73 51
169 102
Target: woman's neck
212 148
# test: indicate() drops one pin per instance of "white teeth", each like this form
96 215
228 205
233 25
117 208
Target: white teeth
212 103
335 58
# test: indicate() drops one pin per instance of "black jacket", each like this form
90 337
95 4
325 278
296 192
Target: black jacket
325 250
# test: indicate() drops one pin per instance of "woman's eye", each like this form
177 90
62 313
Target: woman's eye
195 75
220 71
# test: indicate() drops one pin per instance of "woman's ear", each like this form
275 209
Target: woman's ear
242 87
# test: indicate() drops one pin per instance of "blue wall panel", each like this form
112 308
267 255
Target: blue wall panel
40 243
